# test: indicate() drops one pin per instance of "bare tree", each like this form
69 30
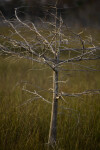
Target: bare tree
47 49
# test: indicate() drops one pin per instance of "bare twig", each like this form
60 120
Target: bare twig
88 92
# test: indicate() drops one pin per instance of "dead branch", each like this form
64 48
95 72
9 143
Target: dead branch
88 92
35 93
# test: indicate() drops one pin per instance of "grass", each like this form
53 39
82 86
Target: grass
25 125
24 121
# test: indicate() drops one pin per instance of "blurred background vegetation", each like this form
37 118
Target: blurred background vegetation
79 12
24 119
24 122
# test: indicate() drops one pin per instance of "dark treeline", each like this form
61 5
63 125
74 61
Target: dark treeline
84 12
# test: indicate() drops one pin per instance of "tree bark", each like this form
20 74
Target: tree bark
53 123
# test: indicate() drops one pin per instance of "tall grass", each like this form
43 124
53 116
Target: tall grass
24 123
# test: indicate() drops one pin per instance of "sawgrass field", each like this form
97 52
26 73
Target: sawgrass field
25 118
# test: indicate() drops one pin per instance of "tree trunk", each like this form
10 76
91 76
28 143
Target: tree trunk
53 123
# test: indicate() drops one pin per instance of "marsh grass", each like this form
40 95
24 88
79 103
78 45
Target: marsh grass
25 125
24 121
